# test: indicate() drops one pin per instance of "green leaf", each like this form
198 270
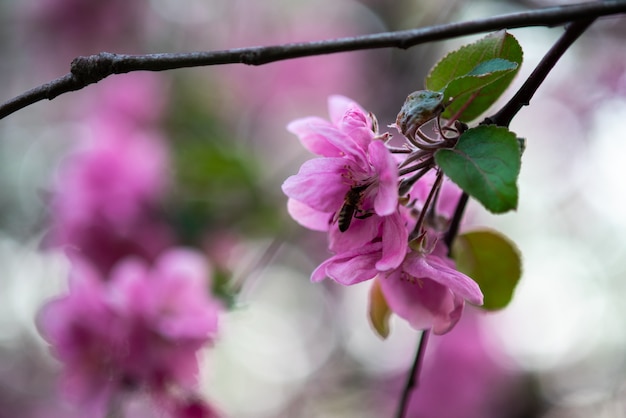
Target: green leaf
492 66
379 311
489 62
492 261
485 163
466 95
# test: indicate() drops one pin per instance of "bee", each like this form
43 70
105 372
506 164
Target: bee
350 208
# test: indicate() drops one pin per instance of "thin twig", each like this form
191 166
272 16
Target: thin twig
453 230
92 69
530 86
412 381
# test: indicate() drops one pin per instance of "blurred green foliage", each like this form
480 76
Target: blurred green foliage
217 179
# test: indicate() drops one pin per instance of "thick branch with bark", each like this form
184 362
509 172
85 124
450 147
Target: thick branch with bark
91 69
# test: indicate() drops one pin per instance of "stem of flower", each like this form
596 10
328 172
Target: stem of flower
456 221
429 200
412 381
405 185
427 163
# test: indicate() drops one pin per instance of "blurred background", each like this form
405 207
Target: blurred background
207 151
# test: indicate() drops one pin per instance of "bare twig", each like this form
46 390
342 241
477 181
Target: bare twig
91 69
530 86
453 229
412 380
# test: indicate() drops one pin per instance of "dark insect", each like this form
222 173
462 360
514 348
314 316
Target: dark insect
350 208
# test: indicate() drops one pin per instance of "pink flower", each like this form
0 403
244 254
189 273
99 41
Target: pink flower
105 203
117 175
425 289
138 330
355 185
353 159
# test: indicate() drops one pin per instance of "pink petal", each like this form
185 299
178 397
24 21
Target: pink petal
434 268
386 201
130 290
309 217
307 130
360 232
350 267
319 184
348 146
357 125
337 107
395 238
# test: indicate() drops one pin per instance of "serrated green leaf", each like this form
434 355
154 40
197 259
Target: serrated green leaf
492 261
465 59
379 312
485 163
470 60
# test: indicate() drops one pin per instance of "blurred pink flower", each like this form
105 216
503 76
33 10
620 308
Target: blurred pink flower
118 176
106 197
64 29
193 408
138 330
133 100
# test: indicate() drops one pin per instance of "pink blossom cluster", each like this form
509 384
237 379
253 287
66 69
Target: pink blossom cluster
137 330
375 231
139 307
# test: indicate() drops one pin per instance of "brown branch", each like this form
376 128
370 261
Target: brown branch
91 69
539 74
412 381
